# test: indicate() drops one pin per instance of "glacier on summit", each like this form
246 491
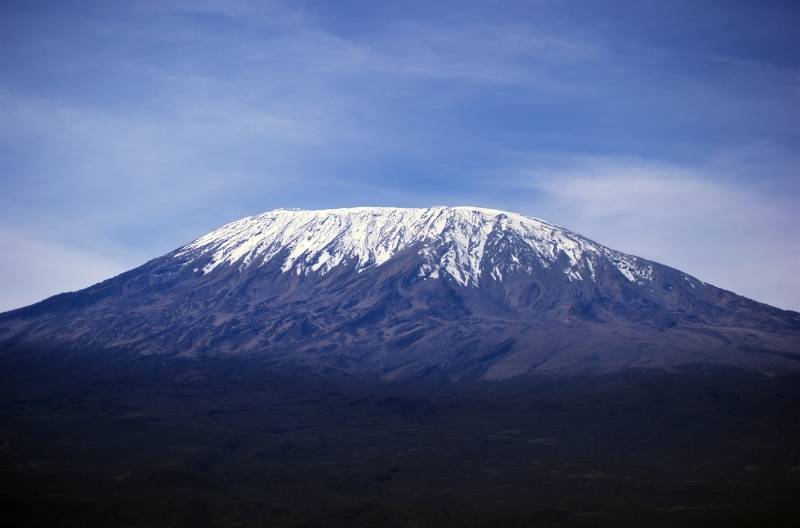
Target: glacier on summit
451 240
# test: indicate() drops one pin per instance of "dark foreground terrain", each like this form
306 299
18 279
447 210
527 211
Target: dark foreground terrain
121 441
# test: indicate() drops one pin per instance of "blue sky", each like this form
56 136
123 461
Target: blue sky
668 130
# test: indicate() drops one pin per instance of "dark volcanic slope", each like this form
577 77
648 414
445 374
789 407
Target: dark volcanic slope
398 294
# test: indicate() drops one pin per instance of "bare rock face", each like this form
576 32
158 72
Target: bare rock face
452 294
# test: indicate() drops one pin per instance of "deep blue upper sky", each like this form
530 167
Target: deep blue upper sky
665 129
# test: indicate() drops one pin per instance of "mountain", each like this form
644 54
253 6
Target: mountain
391 294
399 367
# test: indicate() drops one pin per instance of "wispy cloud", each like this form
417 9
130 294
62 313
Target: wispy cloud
731 232
34 268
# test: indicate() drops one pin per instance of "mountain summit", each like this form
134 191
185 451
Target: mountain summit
454 242
445 293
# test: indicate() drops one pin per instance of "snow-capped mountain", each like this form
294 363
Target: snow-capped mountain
444 292
366 237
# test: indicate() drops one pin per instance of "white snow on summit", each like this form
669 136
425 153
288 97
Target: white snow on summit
452 242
